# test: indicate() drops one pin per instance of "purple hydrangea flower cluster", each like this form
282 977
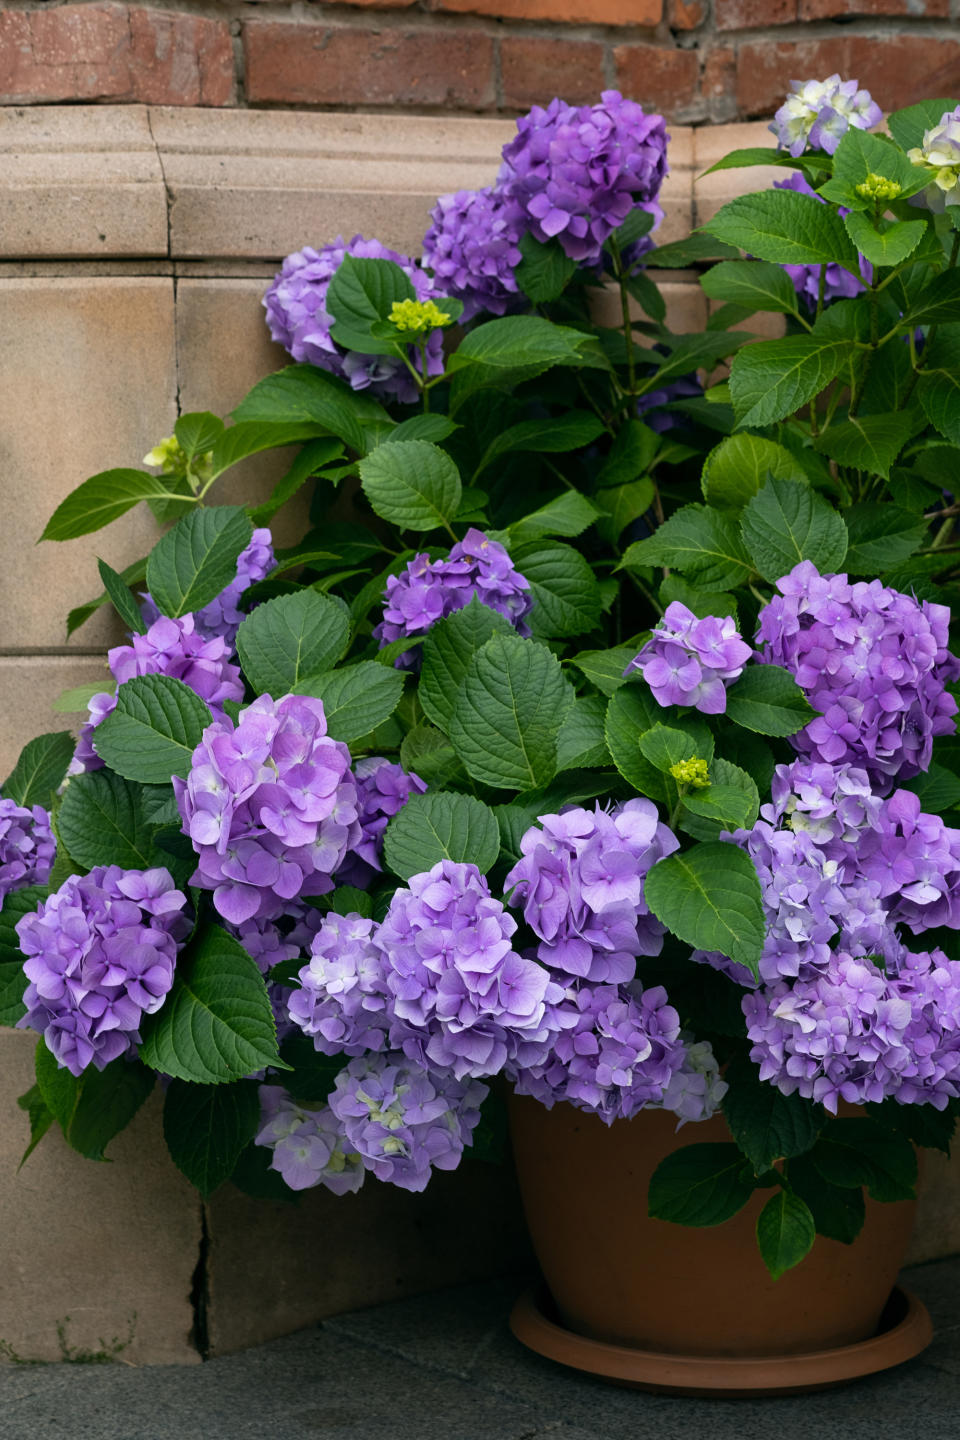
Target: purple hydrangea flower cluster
817 114
100 954
873 661
309 1146
580 883
404 1121
272 941
27 846
429 590
299 320
838 283
383 788
270 806
688 661
169 647
577 172
472 248
343 1003
222 617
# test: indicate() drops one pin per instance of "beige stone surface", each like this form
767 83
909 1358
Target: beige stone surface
29 685
937 1230
105 1251
87 383
275 1267
80 180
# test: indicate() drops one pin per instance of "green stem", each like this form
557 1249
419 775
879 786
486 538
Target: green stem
424 393
919 363
625 314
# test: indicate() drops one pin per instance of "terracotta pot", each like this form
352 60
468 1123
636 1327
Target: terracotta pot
619 1277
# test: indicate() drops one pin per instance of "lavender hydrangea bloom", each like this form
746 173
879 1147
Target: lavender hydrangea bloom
100 955
299 320
169 647
915 858
343 1003
580 882
222 617
838 283
695 1090
688 661
309 1146
461 997
270 806
27 846
472 248
940 154
272 941
576 173
383 788
817 114
873 661
405 1121
429 590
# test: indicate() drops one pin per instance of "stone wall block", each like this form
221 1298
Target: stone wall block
29 685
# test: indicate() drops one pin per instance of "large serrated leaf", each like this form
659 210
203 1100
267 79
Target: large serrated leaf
156 726
551 435
304 392
709 897
774 378
566 596
702 1184
754 284
102 821
867 442
361 293
289 639
414 485
766 1124
101 500
785 226
94 1107
13 981
217 1023
739 466
207 1128
701 542
569 514
40 769
447 652
881 536
581 743
356 699
503 353
938 388
785 1232
767 700
197 559
441 825
785 523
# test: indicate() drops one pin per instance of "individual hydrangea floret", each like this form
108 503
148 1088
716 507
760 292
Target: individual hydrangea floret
222 617
429 590
695 1090
580 884
270 806
577 172
838 283
472 248
298 319
27 846
872 661
169 647
309 1146
688 661
939 153
383 788
405 1121
915 858
343 1001
275 940
817 114
461 997
100 954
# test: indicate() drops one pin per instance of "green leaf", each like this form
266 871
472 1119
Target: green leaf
154 730
766 1124
604 668
767 700
426 751
504 353
447 653
508 713
123 602
709 897
764 155
854 1152
551 435
938 303
881 536
701 602
433 427
907 125
690 353
786 523
303 392
938 789
198 432
414 485
867 442
646 294
13 982
838 1212
101 500
40 1119
785 1232
774 378
356 699
216 1024
290 639
889 242
207 1128
251 437
860 155
569 514
94 1107
197 559
631 712
665 747
701 542
755 284
633 448
566 597
545 270
739 466
733 807
696 249
581 743
441 825
133 574
361 293
623 504
784 226
75 700
103 821
921 1124
253 1176
938 388
700 1185
40 769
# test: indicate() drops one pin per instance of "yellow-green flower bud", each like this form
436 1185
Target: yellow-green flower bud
876 187
416 317
691 772
167 453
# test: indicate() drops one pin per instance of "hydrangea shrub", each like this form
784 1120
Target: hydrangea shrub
609 753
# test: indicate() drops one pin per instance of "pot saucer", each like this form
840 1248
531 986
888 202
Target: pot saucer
905 1330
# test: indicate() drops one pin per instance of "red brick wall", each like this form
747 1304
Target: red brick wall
696 60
